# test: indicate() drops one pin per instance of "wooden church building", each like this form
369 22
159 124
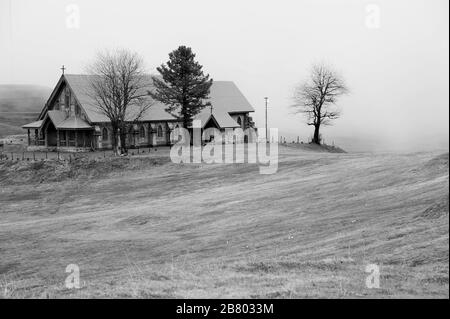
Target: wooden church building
72 121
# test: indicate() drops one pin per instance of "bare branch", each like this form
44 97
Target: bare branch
119 86
317 97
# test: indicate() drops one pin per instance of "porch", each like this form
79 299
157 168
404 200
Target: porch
59 133
61 140
78 139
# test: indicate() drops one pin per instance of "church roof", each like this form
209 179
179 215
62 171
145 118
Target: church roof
60 121
224 96
56 116
81 87
74 123
36 124
223 119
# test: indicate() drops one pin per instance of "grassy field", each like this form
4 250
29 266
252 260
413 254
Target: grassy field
11 123
148 228
19 105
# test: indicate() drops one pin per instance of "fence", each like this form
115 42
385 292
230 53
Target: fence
66 156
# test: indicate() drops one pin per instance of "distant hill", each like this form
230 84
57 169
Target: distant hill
23 98
20 104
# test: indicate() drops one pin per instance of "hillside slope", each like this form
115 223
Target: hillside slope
23 98
20 104
167 230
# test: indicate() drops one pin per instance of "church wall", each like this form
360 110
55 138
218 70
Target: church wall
100 141
159 134
134 138
143 136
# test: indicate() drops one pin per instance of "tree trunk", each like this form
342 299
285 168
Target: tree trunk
123 143
187 122
316 138
114 139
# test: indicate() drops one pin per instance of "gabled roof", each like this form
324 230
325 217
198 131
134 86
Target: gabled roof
56 116
60 121
224 96
223 119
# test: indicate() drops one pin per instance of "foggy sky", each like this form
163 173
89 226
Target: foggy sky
397 71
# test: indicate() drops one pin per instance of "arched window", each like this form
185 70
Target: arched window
159 131
239 121
67 98
77 109
142 132
105 134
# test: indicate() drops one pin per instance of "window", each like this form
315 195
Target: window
67 99
105 134
60 103
239 121
159 131
142 132
77 109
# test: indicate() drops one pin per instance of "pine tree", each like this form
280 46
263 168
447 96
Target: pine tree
183 87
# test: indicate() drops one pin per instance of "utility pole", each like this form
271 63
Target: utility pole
267 136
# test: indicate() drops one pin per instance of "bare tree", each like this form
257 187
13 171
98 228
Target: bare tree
120 89
316 98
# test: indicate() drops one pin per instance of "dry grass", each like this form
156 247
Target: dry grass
156 229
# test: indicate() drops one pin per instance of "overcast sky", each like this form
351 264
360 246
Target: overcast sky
393 54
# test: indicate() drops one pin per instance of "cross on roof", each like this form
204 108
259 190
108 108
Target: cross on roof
63 68
211 107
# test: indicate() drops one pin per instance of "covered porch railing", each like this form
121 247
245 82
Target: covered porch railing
36 139
75 138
